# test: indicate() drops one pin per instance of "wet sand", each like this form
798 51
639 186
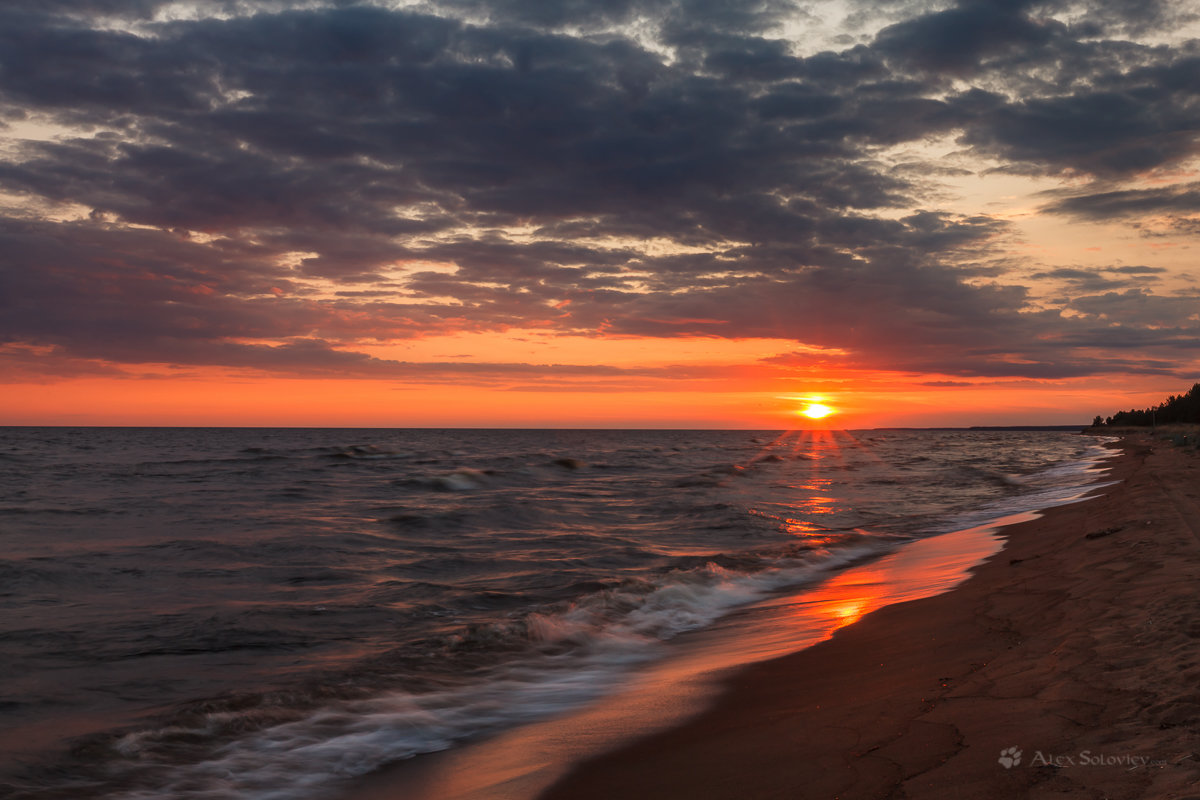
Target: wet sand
1078 645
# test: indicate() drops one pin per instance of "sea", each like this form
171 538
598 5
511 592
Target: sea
268 613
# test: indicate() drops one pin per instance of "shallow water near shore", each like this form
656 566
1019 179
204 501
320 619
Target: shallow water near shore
266 613
520 764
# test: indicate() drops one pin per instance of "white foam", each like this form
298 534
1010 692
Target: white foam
1057 485
460 480
610 633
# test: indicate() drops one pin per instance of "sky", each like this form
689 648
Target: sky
596 213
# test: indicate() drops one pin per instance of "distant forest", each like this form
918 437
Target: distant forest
1176 408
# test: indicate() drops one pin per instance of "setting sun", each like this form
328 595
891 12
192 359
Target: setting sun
816 411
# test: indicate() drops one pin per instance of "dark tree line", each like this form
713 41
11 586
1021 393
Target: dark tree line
1176 408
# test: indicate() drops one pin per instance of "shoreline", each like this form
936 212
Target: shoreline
1078 644
521 762
528 760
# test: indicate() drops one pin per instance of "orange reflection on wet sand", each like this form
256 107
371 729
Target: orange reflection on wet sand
919 569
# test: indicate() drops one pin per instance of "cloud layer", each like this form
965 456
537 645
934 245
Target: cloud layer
279 186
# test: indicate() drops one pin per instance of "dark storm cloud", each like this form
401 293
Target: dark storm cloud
1118 17
1137 270
1109 133
553 15
316 357
1089 18
1052 364
1164 318
479 122
1130 203
1095 280
1075 102
92 287
559 173
680 17
88 8
910 306
960 39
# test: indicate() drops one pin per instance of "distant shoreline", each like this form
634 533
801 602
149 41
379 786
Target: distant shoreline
1034 428
1050 428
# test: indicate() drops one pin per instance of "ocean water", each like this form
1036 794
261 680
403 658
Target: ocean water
264 613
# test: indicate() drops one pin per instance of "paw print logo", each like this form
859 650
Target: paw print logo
1010 757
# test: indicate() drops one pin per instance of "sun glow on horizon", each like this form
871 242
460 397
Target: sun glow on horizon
817 411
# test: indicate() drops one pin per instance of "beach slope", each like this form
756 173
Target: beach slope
1069 665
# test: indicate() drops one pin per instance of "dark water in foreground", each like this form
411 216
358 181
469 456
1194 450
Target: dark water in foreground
257 613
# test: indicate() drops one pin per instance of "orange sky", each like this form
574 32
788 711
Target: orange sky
219 398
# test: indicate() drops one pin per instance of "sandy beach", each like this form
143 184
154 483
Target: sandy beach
1074 654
